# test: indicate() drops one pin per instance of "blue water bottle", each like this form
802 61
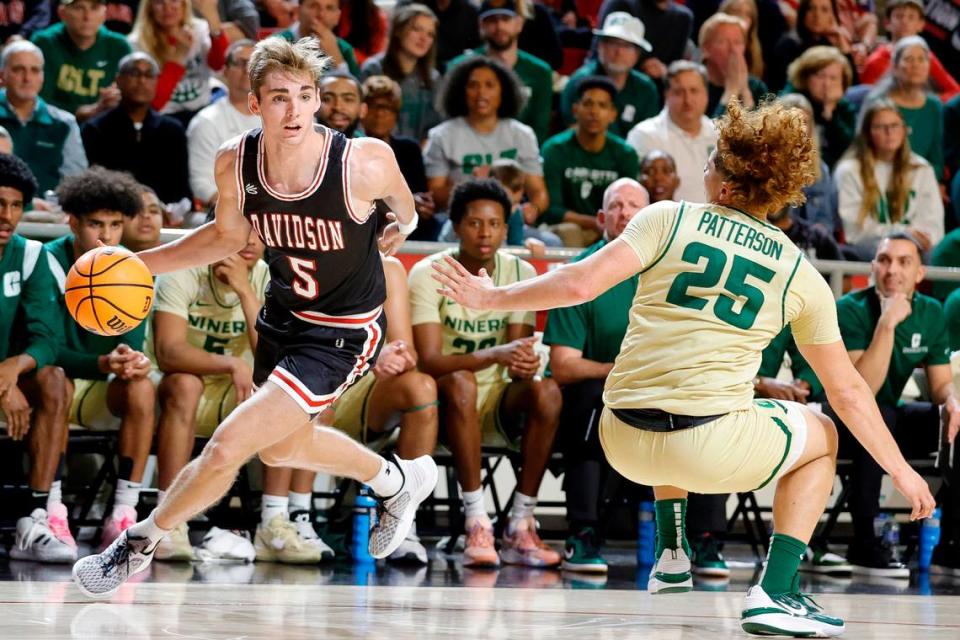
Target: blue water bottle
929 538
364 508
646 535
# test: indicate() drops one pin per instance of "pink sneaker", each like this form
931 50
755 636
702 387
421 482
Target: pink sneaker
57 521
525 547
122 518
480 550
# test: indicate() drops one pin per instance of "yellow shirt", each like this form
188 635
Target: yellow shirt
215 320
717 285
468 330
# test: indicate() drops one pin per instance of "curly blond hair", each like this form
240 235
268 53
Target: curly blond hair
765 155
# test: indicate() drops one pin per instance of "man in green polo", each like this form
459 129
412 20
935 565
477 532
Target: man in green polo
80 59
889 330
500 27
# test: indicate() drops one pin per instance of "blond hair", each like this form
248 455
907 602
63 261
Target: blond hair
754 50
276 54
814 60
716 21
149 37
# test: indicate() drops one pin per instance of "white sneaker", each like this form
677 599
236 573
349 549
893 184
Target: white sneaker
671 573
409 552
37 542
786 614
221 545
301 520
396 513
280 542
100 575
175 546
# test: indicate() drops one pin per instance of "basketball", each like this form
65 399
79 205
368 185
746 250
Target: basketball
109 291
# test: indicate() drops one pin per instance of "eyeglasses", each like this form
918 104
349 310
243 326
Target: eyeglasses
240 62
887 128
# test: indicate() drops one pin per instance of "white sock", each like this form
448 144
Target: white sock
55 496
521 511
473 506
300 501
272 507
388 481
128 494
160 496
148 529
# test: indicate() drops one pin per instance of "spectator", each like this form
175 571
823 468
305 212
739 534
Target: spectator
813 240
6 142
318 18
80 59
884 187
224 119
539 35
889 329
669 29
500 26
383 100
239 19
942 33
905 18
46 137
818 23
486 369
621 41
579 164
142 231
951 151
121 15
33 16
456 27
341 103
946 254
108 375
747 11
33 391
682 128
364 26
188 50
723 45
133 137
908 87
394 394
512 178
276 14
658 175
481 98
410 61
821 208
859 19
822 75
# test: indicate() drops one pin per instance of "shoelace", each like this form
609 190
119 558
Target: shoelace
806 600
120 554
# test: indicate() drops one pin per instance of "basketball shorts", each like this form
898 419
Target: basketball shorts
89 407
351 409
218 400
497 429
315 362
740 451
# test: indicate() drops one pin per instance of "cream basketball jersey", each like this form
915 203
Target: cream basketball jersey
716 286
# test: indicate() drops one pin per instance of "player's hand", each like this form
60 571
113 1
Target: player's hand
472 291
916 491
9 374
894 309
116 360
517 350
425 205
391 239
773 388
233 272
952 407
242 375
524 361
394 359
136 367
17 410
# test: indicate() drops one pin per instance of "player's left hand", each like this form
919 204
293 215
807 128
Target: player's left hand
233 272
391 239
136 366
473 291
17 410
9 374
394 359
953 418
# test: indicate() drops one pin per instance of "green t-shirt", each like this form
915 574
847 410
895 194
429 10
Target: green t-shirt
537 78
596 327
926 132
921 339
346 49
772 360
946 254
951 309
81 349
638 100
30 319
577 178
73 78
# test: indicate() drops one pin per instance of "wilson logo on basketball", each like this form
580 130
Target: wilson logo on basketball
118 325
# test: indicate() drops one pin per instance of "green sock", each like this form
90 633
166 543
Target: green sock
783 562
671 525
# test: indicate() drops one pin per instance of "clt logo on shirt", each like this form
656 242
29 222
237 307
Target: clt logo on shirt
915 346
11 284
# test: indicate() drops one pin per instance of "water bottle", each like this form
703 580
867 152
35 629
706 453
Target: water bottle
646 535
929 538
364 508
888 531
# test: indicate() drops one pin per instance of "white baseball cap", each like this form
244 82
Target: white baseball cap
623 26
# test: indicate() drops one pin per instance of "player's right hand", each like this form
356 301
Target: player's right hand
9 374
917 492
895 308
17 409
242 375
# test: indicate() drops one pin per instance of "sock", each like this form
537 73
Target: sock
671 525
39 499
161 494
300 501
273 506
783 562
148 529
56 494
388 481
128 494
521 511
473 506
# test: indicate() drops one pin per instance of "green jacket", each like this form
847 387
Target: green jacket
30 313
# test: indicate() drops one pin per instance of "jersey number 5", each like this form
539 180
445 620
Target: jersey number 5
305 283
736 285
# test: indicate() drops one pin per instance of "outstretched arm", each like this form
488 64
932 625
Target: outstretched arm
569 285
216 240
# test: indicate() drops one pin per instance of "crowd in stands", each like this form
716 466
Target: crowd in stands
514 122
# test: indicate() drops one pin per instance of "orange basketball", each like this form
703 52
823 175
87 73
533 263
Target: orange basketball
109 291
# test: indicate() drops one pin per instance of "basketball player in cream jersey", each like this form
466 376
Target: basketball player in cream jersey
717 283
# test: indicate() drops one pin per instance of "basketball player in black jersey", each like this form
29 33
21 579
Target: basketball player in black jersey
308 192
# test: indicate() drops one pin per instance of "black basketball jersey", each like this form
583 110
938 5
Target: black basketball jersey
324 261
